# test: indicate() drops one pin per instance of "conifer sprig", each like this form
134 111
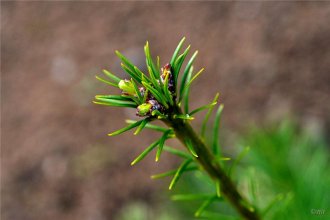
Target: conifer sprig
158 95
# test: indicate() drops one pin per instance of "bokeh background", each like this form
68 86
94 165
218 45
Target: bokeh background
269 60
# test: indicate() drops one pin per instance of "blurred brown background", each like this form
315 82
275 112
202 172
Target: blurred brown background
269 60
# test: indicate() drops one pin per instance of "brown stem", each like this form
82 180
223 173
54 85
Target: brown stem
206 159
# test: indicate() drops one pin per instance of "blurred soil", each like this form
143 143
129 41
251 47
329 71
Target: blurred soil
269 60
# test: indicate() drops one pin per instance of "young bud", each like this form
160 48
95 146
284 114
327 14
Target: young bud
127 87
166 70
144 109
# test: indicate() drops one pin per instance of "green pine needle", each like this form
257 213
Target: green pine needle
172 172
165 174
131 72
204 205
195 77
115 103
202 108
137 91
189 197
216 143
161 143
219 158
129 127
149 126
116 97
145 152
178 63
153 79
179 172
191 147
142 125
186 72
106 81
177 50
216 216
177 152
185 117
150 62
207 116
238 159
111 76
125 60
218 188
158 63
186 92
166 91
141 75
146 79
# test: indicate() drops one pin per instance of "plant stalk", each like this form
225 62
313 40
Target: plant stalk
206 159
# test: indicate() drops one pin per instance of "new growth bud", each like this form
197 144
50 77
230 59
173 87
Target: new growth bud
144 109
127 87
167 72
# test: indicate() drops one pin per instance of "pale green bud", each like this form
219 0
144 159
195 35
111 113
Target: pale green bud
144 109
127 87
